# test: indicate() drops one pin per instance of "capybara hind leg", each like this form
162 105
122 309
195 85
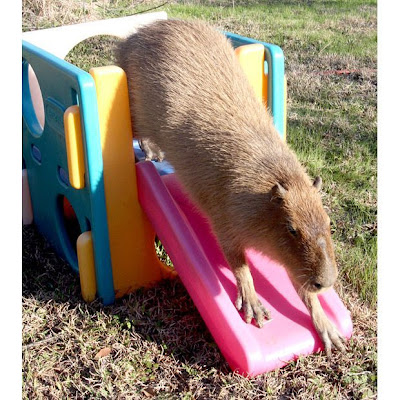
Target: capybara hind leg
247 299
151 150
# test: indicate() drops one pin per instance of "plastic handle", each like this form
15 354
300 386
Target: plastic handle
73 141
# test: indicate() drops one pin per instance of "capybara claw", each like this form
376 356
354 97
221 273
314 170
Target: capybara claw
252 310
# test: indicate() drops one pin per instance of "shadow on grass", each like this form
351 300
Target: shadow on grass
163 314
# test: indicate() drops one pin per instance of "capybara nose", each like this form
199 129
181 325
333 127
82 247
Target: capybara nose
317 285
323 283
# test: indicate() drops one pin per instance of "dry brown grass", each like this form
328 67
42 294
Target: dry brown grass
37 14
40 14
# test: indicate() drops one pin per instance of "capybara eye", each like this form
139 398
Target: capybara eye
292 230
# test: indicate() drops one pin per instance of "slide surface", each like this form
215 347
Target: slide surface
187 237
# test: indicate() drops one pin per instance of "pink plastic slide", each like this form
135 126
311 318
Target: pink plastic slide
200 263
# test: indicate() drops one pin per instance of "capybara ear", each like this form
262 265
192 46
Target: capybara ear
278 193
317 183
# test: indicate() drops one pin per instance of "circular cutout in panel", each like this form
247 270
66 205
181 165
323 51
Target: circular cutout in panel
96 51
71 222
32 100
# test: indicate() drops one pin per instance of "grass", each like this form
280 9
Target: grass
159 346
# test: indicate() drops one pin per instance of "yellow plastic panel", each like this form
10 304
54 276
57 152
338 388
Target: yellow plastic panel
87 274
251 58
133 257
73 141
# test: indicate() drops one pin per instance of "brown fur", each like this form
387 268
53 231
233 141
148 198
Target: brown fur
190 97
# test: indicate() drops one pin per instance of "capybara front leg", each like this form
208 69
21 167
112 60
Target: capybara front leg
247 299
327 331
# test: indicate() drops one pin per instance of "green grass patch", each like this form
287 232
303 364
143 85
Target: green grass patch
93 52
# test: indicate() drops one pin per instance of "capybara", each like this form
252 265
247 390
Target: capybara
190 98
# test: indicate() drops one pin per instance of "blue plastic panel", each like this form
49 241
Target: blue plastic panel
276 73
44 152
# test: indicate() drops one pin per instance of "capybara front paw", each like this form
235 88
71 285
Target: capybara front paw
151 150
330 336
252 308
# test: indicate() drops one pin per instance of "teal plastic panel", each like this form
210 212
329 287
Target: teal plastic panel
44 154
276 73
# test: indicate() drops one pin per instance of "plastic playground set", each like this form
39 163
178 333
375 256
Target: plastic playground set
89 192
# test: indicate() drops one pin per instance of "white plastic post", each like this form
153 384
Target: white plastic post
59 41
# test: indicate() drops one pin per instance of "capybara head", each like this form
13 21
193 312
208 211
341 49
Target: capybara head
300 238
